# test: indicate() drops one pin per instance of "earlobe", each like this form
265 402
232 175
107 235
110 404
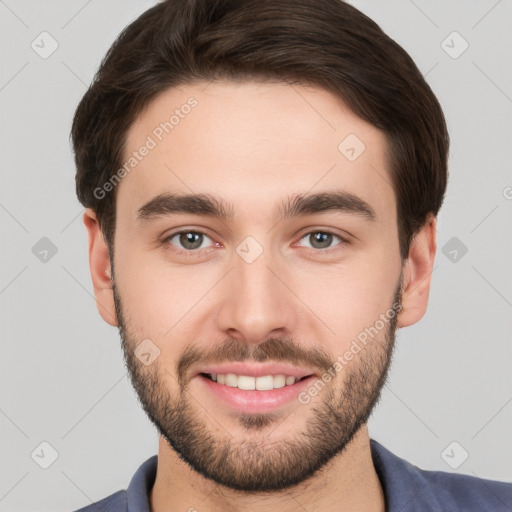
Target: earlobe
100 267
417 274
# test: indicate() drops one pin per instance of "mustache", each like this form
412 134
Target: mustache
283 350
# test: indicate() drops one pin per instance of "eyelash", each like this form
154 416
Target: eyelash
196 252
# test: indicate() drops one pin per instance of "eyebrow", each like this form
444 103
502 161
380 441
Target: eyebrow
295 206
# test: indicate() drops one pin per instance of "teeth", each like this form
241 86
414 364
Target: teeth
231 380
269 382
247 382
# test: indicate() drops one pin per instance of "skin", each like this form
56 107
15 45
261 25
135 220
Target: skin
253 145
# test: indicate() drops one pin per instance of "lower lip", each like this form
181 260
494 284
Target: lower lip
254 401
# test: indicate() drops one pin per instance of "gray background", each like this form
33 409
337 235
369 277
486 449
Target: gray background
62 377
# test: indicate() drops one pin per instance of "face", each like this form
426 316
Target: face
283 273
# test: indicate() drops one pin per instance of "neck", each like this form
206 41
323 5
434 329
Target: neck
347 483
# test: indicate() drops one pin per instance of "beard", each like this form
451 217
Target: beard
250 464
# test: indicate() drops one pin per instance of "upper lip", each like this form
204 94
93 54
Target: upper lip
256 369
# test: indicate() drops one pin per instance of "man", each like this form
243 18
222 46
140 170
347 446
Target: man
261 182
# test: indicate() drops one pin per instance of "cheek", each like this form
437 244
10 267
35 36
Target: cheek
349 299
349 309
158 297
163 301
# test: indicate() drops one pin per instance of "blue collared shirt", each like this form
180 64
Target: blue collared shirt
406 488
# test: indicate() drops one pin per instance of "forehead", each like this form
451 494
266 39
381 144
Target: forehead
253 144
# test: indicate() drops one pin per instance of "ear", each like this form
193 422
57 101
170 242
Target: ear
417 274
99 264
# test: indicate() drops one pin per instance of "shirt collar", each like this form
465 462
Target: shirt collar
401 482
141 484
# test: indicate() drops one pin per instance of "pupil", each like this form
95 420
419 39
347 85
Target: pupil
322 238
190 240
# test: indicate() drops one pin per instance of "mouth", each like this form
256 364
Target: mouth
248 388
251 383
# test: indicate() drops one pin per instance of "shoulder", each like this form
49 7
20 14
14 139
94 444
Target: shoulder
411 488
135 497
468 493
116 502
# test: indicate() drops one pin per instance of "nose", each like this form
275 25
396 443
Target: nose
256 303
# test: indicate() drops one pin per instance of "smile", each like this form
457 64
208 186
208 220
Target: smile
249 383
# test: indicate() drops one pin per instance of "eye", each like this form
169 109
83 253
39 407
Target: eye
321 240
188 240
191 242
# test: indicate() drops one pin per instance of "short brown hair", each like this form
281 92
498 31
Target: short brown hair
325 43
